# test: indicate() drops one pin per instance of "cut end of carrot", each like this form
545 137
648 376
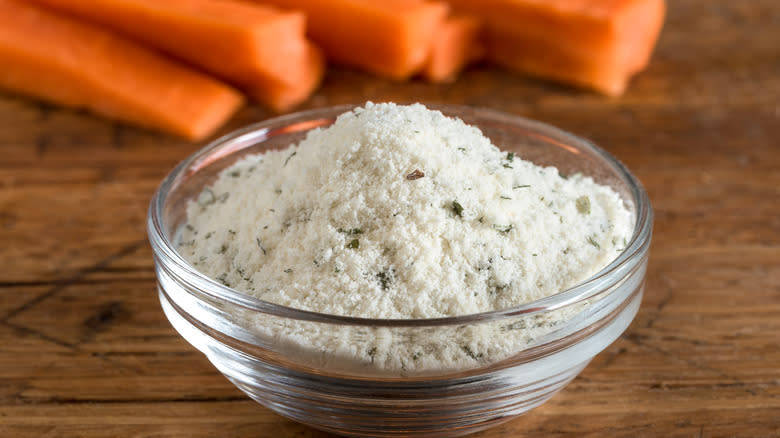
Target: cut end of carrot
454 46
280 97
419 38
642 23
219 108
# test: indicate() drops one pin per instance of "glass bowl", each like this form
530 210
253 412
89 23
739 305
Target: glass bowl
383 377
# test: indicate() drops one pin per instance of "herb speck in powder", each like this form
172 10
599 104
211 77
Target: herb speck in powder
416 174
583 205
457 208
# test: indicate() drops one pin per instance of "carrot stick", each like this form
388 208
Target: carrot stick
255 47
58 59
283 98
391 38
454 45
595 44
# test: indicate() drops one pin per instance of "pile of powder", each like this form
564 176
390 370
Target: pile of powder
400 212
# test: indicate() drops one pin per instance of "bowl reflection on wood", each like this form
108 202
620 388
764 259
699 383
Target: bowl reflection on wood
267 351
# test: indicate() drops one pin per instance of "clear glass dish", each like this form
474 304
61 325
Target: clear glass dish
381 377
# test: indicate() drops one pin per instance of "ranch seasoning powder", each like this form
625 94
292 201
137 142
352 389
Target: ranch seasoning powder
400 212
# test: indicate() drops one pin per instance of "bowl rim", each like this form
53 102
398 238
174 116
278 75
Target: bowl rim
599 283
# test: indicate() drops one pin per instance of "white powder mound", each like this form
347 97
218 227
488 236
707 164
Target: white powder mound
400 212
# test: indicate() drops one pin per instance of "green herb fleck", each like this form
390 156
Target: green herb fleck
517 325
260 245
353 244
288 271
337 270
504 197
288 158
470 353
522 186
593 242
351 231
462 149
235 174
223 279
223 248
371 353
457 208
583 205
498 289
503 228
384 279
510 157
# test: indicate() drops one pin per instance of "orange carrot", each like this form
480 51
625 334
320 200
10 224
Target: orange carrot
256 47
58 59
454 46
388 37
596 44
282 98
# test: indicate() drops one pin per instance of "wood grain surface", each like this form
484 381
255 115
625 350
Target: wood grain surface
86 351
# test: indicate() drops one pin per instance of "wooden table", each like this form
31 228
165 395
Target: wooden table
86 351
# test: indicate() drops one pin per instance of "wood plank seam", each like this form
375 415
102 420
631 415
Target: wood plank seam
122 252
